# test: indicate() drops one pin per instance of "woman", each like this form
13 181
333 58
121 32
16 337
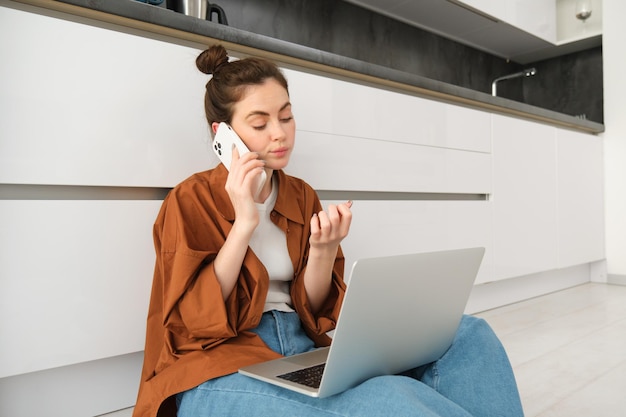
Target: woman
242 277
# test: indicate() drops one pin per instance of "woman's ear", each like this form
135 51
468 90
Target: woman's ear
214 127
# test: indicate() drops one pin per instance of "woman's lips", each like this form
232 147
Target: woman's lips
280 152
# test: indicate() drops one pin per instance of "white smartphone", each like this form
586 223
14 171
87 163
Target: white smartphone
225 138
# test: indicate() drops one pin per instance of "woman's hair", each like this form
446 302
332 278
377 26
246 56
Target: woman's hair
230 79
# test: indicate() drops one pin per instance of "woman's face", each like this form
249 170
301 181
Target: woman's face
263 120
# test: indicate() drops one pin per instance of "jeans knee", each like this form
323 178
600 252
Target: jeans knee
475 325
476 333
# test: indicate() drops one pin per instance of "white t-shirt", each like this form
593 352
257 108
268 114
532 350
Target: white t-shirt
269 243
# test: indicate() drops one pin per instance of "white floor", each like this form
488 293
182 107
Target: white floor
568 350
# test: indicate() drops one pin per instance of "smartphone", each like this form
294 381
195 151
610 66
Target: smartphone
225 138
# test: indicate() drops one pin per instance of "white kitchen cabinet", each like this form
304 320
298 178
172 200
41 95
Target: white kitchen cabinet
360 138
524 197
83 105
580 201
382 228
338 107
333 162
505 28
75 281
571 29
548 198
537 17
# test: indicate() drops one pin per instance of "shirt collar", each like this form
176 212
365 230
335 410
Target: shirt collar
289 201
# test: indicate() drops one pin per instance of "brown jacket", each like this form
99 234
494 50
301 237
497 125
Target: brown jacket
192 334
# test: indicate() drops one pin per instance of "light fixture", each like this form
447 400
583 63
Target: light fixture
583 9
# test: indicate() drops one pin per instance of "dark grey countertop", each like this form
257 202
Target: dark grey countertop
143 13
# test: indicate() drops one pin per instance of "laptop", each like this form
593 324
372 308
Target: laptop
399 312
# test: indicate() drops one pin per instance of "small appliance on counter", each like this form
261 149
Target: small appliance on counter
201 9
153 2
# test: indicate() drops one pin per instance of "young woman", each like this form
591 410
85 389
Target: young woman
242 277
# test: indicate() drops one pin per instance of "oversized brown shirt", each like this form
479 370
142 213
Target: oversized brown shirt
193 335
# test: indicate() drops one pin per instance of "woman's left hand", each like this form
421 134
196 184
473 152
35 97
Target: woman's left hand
330 227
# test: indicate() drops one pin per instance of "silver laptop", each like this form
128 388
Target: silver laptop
399 312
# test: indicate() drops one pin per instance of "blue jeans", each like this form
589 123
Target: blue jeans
473 378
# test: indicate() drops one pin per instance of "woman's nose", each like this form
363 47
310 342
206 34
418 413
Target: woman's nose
277 132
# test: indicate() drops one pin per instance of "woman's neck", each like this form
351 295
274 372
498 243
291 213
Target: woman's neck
267 187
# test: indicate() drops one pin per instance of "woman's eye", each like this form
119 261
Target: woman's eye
258 127
286 119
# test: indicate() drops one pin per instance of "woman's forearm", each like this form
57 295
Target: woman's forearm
318 276
228 262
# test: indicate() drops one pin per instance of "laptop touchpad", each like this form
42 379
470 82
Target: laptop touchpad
309 358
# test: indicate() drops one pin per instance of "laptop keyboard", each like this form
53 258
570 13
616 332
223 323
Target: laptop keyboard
310 377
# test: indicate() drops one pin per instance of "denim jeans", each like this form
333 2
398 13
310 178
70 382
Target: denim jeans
473 378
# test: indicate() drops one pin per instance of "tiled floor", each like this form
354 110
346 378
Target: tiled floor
568 350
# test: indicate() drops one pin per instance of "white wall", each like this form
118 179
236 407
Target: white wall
615 136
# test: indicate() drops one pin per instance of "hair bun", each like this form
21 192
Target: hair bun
210 60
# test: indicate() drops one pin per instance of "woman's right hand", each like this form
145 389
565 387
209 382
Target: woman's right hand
240 186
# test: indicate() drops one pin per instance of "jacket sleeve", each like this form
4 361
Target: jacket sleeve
189 232
325 320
